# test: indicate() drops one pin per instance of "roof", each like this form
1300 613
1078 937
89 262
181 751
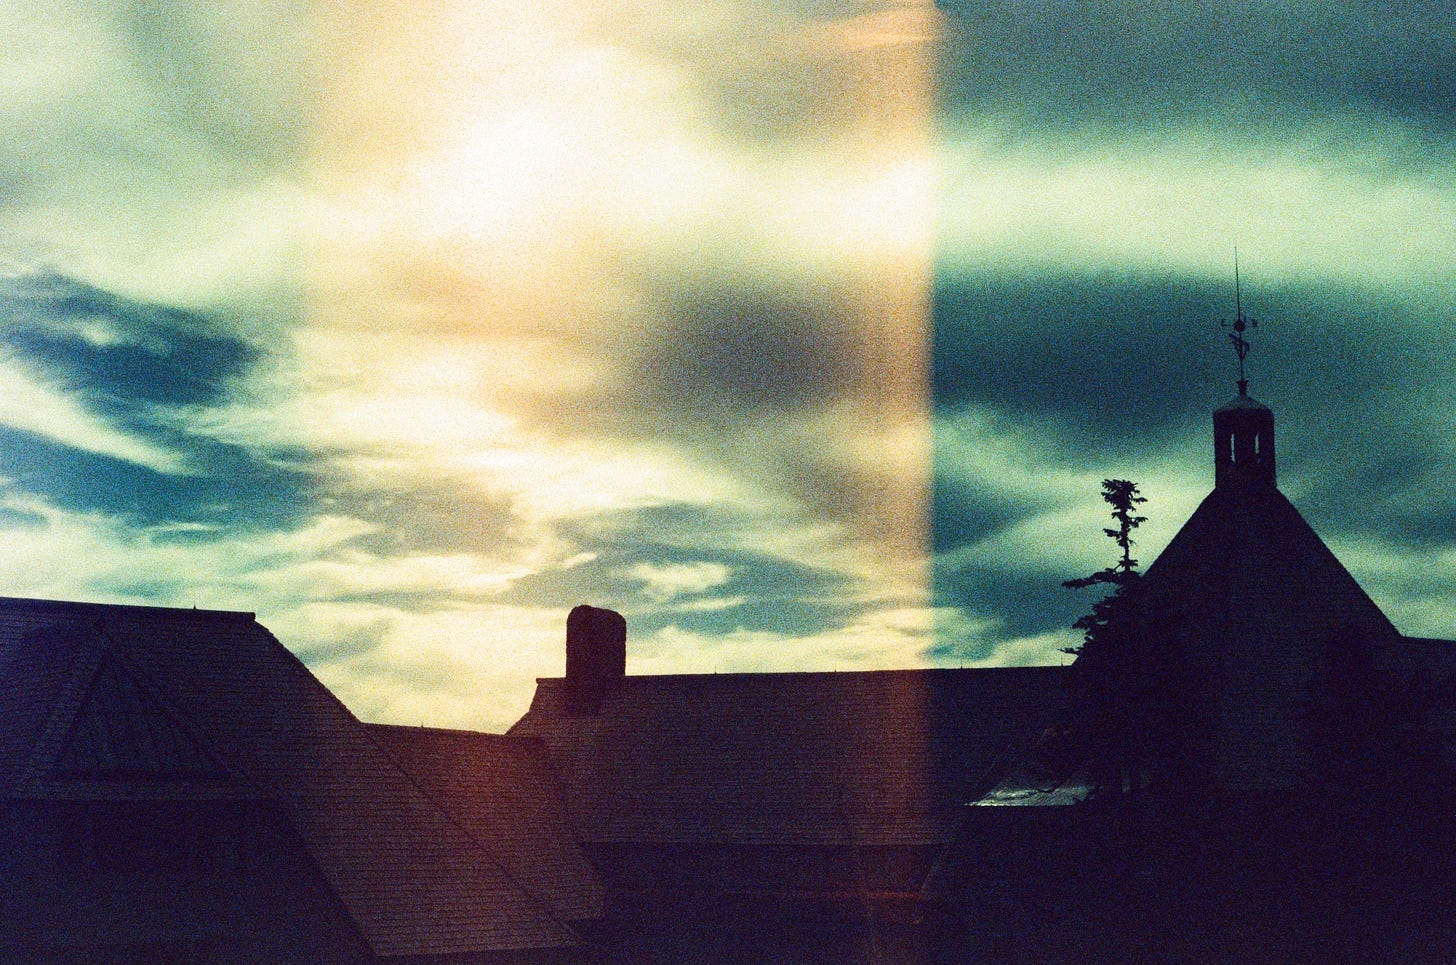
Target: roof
502 791
1249 595
872 758
1433 659
220 698
1242 402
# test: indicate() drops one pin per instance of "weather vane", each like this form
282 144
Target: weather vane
1239 326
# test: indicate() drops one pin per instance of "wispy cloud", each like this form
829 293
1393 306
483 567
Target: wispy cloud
36 403
1309 203
411 325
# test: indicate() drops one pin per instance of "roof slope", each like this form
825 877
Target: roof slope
877 757
412 879
1252 598
501 790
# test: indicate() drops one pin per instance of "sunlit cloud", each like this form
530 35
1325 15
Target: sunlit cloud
1313 206
453 315
469 665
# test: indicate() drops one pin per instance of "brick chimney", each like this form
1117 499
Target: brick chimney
596 657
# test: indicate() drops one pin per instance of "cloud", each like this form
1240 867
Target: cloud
649 563
120 350
1111 68
37 403
1411 583
1307 204
877 639
412 326
404 637
469 666
552 282
680 579
731 350
153 152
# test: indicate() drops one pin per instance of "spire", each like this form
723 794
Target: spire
1243 429
1239 326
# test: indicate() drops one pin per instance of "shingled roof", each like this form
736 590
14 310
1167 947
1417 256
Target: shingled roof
1252 597
98 699
866 758
502 791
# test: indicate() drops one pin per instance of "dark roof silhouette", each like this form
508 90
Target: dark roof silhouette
870 758
501 790
1251 597
101 701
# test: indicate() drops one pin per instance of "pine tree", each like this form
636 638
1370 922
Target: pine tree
1110 725
1122 495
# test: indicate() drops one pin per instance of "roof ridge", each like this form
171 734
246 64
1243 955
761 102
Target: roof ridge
543 907
411 782
827 674
75 606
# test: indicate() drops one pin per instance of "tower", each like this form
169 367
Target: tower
1247 601
1243 443
1243 429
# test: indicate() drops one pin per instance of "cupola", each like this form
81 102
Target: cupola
1243 442
1243 429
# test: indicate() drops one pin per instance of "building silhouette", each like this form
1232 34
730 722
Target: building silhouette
1292 797
177 787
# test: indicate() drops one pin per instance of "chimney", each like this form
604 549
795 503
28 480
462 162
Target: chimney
596 657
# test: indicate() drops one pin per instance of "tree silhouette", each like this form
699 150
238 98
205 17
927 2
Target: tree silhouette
1122 495
1110 725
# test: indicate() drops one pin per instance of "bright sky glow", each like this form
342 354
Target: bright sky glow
801 333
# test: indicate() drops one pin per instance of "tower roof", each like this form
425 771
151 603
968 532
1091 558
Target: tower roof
1242 403
1249 598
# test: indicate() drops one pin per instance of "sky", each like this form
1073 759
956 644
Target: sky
802 333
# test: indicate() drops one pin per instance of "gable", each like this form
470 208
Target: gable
121 731
189 687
